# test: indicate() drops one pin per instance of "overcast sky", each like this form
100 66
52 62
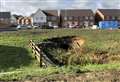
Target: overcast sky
26 7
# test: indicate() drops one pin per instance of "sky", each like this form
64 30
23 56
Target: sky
26 7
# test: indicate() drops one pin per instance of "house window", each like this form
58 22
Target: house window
71 18
54 18
86 17
1 19
81 23
36 18
48 18
65 18
91 23
80 18
86 23
91 18
108 17
75 18
119 18
113 18
41 18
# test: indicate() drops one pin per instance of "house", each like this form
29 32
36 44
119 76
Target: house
5 19
25 21
13 20
77 18
107 15
52 18
39 18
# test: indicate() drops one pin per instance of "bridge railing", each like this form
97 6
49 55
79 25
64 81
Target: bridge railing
40 55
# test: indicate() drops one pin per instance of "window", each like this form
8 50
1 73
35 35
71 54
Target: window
36 18
75 18
80 18
86 23
65 18
86 17
119 18
113 18
48 18
1 19
41 18
91 18
54 18
91 23
108 17
81 23
71 18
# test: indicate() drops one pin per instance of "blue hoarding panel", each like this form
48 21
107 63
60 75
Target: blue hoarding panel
108 24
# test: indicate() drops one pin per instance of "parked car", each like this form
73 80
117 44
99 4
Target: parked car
55 26
118 27
24 27
18 27
35 27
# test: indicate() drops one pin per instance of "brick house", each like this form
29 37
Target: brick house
5 19
77 18
24 21
52 18
107 15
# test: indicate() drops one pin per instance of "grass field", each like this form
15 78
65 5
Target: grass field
18 62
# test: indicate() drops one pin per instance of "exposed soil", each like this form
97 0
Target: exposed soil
59 49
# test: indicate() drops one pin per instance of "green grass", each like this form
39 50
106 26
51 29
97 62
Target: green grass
24 73
17 60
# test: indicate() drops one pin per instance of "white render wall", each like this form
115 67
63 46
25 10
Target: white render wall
39 17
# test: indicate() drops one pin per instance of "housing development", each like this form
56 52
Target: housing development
67 18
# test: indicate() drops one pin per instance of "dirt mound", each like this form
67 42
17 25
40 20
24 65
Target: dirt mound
59 49
72 50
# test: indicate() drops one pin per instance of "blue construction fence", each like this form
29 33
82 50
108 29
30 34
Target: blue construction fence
108 24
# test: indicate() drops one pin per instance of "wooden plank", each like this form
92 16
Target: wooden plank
37 52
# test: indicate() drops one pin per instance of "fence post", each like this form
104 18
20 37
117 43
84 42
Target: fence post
40 58
37 52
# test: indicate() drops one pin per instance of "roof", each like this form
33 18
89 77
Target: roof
32 14
51 12
77 12
113 12
17 16
39 10
5 15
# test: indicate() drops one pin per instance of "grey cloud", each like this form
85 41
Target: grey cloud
27 7
111 4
